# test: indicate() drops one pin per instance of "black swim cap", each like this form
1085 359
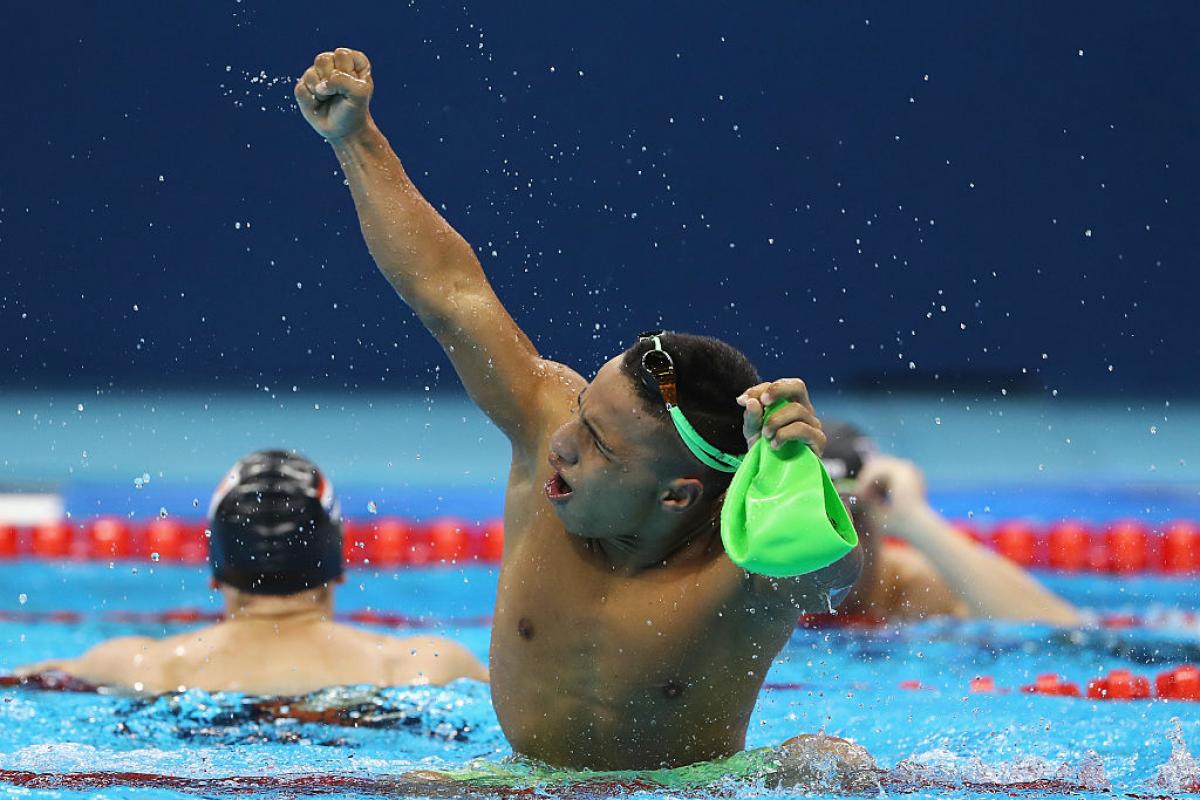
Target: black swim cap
276 527
847 448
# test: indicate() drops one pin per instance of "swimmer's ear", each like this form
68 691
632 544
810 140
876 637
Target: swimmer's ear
682 494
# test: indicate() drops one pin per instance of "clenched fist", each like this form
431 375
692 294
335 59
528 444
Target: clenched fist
335 91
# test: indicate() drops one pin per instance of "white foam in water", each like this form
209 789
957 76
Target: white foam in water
1182 770
945 767
76 757
217 762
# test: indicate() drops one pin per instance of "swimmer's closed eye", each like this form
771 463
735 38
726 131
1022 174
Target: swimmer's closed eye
782 516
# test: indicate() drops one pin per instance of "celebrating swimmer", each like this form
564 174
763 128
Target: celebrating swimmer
275 552
625 635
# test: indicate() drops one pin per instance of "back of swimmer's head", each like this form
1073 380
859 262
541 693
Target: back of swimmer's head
847 449
276 526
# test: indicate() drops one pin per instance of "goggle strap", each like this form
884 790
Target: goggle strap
708 455
702 450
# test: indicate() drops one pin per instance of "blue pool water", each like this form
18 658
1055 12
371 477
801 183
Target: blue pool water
844 681
141 454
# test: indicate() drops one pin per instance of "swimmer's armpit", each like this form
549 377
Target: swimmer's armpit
820 591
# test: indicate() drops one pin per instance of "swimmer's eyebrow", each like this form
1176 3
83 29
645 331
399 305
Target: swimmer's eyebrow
587 424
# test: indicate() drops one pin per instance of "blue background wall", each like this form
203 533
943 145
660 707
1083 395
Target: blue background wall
813 181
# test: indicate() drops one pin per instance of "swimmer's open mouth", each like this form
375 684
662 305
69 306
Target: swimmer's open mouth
557 488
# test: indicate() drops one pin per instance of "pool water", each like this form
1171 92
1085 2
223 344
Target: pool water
934 737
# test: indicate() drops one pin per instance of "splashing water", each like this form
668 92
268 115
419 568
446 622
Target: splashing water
1181 773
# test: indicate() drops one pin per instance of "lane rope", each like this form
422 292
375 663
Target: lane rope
1124 547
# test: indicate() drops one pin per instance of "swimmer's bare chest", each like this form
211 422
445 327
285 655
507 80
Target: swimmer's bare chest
593 668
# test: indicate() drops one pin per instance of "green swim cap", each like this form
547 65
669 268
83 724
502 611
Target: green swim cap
782 516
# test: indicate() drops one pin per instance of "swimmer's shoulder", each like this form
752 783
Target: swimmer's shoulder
558 382
914 585
554 404
124 661
431 659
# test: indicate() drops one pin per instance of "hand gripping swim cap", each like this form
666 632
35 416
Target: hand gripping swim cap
782 516
276 527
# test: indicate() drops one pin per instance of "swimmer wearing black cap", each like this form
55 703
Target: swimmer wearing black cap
276 554
940 571
625 635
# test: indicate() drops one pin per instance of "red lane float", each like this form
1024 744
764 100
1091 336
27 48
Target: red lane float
8 542
1120 684
1124 547
491 541
109 538
354 541
1016 541
1050 684
1067 546
52 540
1180 548
162 540
983 684
1181 683
388 543
1128 543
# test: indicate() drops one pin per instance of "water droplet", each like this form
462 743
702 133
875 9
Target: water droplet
22 598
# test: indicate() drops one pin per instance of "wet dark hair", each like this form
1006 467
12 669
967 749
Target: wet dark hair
710 374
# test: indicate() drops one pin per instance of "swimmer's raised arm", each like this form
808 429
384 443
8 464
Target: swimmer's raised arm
428 263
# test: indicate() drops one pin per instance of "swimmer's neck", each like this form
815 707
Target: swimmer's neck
299 608
691 541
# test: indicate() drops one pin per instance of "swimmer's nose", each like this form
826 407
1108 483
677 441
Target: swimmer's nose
561 454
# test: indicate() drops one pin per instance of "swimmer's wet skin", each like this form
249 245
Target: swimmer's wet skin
275 553
624 636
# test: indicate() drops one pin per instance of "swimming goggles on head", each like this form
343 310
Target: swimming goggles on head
659 364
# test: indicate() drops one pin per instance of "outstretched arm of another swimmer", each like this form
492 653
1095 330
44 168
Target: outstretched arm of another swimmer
428 263
990 585
115 662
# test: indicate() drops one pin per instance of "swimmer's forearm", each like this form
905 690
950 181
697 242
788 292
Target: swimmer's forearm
419 253
990 585
53 665
437 274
